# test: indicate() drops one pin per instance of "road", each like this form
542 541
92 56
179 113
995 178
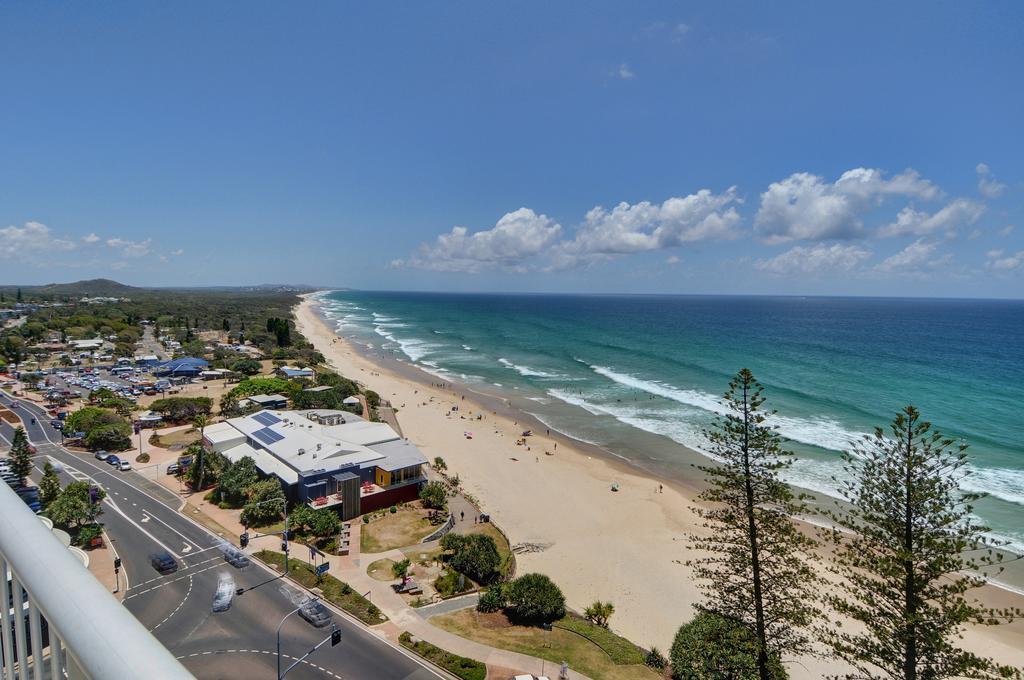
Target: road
141 517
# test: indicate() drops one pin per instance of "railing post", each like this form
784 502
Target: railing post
5 620
36 635
56 666
19 625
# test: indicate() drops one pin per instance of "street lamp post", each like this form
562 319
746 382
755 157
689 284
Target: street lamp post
279 637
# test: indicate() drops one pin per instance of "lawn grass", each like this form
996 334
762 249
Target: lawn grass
381 570
560 644
181 437
395 530
336 592
468 669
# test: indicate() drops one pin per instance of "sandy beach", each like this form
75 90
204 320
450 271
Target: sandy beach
627 546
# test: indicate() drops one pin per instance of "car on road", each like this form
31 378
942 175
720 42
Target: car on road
315 613
113 460
224 594
124 466
101 455
235 557
56 424
173 469
163 562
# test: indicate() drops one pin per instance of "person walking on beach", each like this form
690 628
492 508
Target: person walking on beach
462 516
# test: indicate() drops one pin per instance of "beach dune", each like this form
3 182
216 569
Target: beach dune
557 504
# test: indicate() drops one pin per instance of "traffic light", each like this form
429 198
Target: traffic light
117 563
243 540
335 637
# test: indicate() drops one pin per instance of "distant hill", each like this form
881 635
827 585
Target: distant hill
92 287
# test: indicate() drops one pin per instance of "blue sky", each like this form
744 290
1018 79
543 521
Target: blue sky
805 148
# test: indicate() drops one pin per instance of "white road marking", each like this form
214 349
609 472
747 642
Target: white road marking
181 604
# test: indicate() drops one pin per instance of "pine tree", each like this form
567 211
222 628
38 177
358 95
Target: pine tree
49 485
19 295
757 572
911 551
226 325
21 456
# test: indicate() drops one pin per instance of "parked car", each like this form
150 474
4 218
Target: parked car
113 460
173 469
101 455
124 466
235 557
163 562
224 594
315 612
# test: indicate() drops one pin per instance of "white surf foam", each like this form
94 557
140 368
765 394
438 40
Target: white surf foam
825 433
526 370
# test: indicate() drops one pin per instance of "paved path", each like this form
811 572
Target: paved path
448 606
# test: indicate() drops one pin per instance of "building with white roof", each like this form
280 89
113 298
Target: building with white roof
326 458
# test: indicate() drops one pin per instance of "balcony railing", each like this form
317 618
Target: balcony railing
90 634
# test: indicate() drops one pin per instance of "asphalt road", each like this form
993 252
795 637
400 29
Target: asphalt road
140 518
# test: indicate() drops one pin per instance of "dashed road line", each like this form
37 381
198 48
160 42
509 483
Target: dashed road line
328 673
167 583
161 578
191 582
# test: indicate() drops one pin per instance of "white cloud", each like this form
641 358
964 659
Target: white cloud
672 259
645 226
815 259
33 237
988 186
914 258
179 251
959 212
131 248
623 72
516 237
998 262
90 238
679 30
1007 230
806 207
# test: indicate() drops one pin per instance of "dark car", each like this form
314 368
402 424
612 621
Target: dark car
113 460
315 612
163 562
235 557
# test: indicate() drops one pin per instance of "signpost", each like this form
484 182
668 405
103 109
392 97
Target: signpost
322 568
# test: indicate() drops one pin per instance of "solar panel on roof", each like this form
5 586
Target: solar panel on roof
267 436
264 418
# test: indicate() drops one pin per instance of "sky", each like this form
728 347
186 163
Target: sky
865 148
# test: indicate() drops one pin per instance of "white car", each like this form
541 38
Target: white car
224 594
124 466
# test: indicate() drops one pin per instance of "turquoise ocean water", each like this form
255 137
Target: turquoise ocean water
641 375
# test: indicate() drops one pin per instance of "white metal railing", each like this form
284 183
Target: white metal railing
90 634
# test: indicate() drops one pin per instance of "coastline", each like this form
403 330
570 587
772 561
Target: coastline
626 546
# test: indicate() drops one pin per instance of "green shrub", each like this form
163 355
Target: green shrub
460 666
534 598
393 509
475 555
492 600
452 583
711 646
655 659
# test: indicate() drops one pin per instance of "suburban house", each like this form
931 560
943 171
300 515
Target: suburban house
325 458
271 401
295 372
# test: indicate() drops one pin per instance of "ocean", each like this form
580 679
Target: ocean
642 376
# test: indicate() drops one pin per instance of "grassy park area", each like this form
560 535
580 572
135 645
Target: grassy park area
335 591
395 530
589 649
